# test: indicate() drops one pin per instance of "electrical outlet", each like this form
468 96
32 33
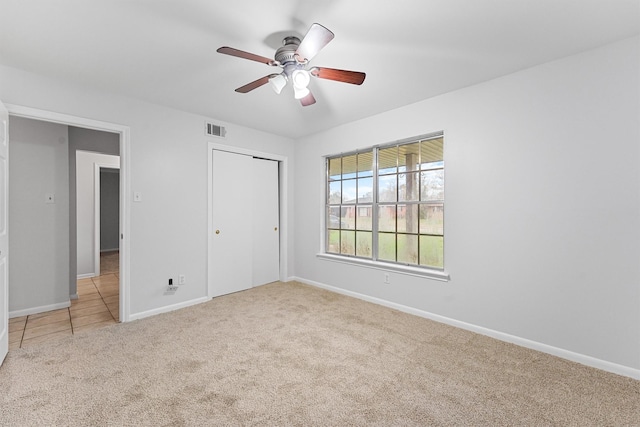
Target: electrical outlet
171 288
386 278
182 280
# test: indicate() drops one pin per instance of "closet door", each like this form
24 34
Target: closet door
232 241
266 227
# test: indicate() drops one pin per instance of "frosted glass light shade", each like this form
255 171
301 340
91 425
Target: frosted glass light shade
278 83
300 92
300 78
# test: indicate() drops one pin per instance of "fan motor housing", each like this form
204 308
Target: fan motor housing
286 53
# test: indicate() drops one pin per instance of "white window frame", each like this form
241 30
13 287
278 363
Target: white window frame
407 269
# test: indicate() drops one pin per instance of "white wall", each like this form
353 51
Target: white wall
85 206
38 231
168 160
542 216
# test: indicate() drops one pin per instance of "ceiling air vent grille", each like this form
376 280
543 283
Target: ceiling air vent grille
214 130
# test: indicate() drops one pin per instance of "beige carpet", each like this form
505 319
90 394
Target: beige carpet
290 354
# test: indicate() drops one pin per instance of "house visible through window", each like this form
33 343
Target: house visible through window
387 203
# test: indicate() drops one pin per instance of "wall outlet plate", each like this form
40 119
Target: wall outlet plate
170 290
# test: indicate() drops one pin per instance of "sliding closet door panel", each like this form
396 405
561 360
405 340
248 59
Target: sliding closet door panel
266 227
232 247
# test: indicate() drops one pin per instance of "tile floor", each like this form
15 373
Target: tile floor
97 306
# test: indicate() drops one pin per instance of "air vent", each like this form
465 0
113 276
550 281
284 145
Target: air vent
214 130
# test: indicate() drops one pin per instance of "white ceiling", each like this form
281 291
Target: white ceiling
164 51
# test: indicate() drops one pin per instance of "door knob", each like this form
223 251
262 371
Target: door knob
217 231
275 229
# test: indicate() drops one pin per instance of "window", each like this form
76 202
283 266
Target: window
387 203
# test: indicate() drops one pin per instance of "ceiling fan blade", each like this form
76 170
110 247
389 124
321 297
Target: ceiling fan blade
345 76
254 84
316 38
246 55
308 100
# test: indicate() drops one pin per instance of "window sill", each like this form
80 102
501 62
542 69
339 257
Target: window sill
379 265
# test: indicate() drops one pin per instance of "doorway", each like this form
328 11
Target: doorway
107 234
122 133
90 220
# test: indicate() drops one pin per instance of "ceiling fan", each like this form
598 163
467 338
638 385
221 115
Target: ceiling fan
293 57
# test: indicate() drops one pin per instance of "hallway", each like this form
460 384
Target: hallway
97 306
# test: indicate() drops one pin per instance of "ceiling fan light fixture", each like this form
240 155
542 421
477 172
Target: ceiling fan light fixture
293 58
278 82
300 92
300 78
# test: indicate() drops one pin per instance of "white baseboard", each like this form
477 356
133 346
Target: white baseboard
41 309
86 275
523 342
167 308
102 251
73 296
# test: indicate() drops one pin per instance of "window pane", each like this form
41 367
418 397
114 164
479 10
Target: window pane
431 251
333 241
408 157
408 248
432 185
387 188
387 247
348 242
349 166
335 169
408 186
363 244
432 219
365 164
365 190
387 218
431 151
364 219
333 220
335 192
387 160
349 191
407 218
348 217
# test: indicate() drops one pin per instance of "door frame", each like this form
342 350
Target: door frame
283 183
125 184
4 233
96 213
